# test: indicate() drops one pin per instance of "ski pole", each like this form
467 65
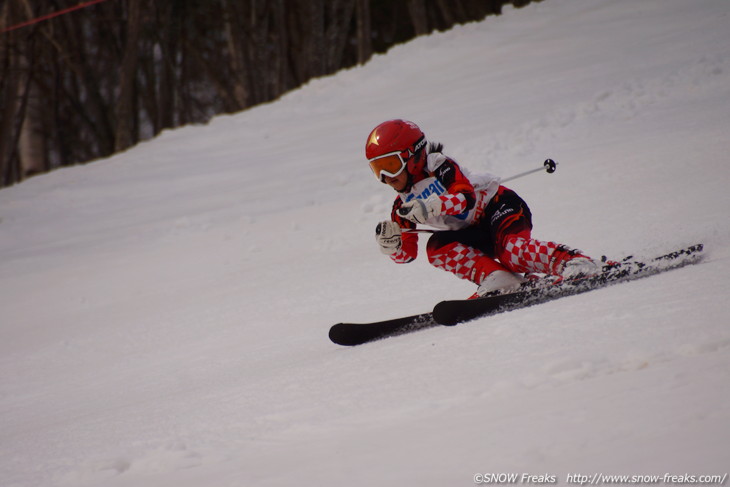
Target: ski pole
548 166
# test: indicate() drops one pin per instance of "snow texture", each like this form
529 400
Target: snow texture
164 312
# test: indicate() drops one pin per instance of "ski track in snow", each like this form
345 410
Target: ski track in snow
164 313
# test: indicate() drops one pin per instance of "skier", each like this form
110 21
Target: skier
483 229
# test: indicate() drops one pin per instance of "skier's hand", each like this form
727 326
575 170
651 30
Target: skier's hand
388 235
418 211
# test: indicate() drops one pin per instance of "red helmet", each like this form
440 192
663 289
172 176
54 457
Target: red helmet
397 137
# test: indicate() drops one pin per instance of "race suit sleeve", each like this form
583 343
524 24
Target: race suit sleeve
409 241
460 195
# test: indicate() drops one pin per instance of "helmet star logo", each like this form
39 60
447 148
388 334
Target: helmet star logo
373 138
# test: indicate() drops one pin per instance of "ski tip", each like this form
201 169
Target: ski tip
338 335
444 314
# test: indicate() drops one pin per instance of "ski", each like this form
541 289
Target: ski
453 312
358 333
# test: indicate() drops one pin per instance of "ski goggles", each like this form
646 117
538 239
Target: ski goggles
390 164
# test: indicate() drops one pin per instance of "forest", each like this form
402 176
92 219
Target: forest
80 80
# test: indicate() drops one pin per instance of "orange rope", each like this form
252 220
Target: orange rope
52 15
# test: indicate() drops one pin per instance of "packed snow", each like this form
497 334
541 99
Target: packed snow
164 312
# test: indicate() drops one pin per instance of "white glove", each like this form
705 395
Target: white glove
418 211
388 236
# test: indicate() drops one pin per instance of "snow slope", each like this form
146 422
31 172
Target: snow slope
164 312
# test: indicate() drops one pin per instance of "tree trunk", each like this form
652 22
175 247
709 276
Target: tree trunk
338 20
124 111
280 39
417 11
236 44
364 41
32 141
10 84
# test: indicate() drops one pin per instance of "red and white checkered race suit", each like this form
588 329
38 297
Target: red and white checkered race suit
483 226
